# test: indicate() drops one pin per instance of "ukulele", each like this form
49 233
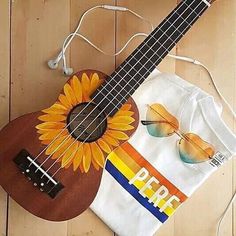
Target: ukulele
51 161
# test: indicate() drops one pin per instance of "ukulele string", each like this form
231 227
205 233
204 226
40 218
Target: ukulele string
102 100
90 123
98 126
87 115
64 47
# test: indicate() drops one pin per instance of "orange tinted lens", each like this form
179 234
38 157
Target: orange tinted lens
193 149
160 123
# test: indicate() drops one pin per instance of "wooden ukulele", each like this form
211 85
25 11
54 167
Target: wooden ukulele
51 161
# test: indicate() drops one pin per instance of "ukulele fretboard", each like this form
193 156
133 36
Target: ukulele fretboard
124 81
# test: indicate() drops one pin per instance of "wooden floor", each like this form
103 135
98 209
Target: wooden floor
31 32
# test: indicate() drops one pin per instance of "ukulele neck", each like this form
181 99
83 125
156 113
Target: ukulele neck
124 81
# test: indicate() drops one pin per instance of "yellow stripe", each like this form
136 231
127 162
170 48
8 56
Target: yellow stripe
135 167
129 174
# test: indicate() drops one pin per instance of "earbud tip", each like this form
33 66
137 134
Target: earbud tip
52 64
68 71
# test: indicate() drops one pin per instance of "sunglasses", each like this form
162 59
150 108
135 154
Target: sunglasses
192 148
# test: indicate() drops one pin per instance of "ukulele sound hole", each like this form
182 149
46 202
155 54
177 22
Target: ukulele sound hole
86 122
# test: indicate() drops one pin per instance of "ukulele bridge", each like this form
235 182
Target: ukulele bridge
35 173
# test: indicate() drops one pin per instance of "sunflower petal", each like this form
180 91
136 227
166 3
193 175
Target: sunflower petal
69 154
118 134
43 131
97 154
126 107
108 139
78 158
64 101
120 126
56 108
124 113
81 168
77 88
95 82
52 117
56 144
121 119
70 94
50 135
62 149
45 142
87 157
85 85
95 165
104 146
50 125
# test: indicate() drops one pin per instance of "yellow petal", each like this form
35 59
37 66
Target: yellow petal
95 165
70 94
50 125
108 139
56 144
43 131
69 154
52 117
121 119
46 142
86 157
97 154
77 88
104 146
119 126
126 107
81 168
64 101
85 85
95 82
50 135
62 149
124 113
78 158
56 108
118 134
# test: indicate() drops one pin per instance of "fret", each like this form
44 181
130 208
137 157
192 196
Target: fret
132 72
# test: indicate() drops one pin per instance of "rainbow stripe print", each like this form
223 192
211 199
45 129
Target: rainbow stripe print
139 178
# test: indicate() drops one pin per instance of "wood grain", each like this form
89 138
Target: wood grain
126 26
38 28
99 28
214 45
4 92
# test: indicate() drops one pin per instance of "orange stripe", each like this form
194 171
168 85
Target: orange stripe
144 163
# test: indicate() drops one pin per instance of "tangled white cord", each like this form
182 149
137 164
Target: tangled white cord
53 64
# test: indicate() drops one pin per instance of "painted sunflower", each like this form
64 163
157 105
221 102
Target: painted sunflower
53 131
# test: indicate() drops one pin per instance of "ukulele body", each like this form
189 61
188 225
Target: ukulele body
78 178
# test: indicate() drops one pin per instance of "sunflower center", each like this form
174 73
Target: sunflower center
86 122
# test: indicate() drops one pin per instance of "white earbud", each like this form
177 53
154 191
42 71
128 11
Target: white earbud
53 64
67 71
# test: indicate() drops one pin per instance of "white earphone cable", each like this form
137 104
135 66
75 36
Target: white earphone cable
68 71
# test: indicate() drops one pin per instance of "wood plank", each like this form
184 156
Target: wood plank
128 25
37 30
99 28
4 92
88 224
206 44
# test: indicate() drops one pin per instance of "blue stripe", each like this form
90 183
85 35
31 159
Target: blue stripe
123 181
